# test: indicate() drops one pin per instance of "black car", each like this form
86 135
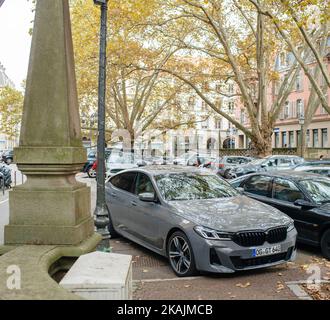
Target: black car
305 197
8 157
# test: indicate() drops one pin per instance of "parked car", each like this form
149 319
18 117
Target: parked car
223 165
119 161
91 159
305 197
197 220
315 163
270 163
8 156
325 171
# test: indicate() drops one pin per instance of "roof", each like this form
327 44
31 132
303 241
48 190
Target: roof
165 169
294 175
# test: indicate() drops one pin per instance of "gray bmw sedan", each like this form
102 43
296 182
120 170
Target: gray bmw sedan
197 220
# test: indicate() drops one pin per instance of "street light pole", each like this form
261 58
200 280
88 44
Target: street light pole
101 212
302 122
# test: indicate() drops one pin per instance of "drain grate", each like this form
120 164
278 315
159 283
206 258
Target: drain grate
148 262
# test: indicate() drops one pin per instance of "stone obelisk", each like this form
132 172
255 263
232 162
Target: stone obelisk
51 207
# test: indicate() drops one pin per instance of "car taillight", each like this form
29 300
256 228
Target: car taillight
221 165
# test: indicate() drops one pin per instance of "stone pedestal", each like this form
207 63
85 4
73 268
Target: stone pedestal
51 207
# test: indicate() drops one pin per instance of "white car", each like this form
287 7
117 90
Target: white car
119 161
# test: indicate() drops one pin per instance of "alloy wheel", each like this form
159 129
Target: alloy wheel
92 173
180 255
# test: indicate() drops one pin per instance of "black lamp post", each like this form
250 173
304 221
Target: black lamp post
302 123
101 211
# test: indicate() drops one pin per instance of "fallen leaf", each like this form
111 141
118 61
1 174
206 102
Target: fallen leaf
187 286
233 297
145 271
240 285
280 274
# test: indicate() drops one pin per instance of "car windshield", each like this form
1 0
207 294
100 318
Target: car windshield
121 157
189 186
318 189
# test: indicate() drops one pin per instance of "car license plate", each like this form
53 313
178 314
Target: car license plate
267 251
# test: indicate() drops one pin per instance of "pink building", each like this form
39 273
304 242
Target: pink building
287 129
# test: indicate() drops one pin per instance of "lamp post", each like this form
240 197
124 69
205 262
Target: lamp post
301 122
101 212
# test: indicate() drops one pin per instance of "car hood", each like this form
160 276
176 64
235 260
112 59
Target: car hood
230 214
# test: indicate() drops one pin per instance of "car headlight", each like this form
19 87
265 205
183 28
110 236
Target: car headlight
211 234
290 226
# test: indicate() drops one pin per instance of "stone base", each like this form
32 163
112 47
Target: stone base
49 235
34 263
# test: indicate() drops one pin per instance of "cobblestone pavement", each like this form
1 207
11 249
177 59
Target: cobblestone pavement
153 278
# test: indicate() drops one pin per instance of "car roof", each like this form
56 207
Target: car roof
166 169
309 167
289 174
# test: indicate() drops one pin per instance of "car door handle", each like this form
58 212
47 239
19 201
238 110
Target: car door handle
133 203
114 194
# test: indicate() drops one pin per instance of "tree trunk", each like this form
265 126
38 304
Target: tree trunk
262 147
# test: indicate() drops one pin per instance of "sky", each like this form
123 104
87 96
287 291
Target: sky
15 42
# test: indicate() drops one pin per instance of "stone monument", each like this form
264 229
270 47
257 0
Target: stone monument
51 208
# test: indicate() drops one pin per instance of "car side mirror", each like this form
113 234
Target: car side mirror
147 197
304 204
240 190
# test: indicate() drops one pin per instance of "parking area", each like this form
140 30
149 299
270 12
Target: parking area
153 278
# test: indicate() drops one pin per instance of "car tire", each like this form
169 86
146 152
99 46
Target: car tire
325 244
91 172
180 255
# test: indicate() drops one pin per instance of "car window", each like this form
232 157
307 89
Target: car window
191 186
259 185
124 181
237 182
144 184
286 190
284 162
319 190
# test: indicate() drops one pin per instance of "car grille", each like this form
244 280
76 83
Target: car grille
258 238
240 263
276 235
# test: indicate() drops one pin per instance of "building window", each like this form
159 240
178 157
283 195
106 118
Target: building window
284 140
242 117
230 107
291 139
286 110
283 59
308 137
299 84
298 137
218 123
324 138
299 108
315 138
277 139
230 88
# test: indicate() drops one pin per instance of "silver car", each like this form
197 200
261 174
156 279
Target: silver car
197 220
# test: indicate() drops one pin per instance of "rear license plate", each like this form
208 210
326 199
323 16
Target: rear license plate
267 251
